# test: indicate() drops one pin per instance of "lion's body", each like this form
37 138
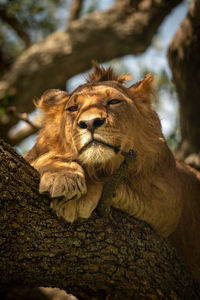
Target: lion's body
80 147
186 237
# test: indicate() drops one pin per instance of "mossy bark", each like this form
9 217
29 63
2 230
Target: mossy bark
119 256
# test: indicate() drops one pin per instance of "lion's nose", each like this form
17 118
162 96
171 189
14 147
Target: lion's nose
91 124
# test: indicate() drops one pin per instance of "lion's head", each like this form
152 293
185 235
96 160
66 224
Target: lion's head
100 119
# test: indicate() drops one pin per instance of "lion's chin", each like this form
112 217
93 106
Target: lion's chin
97 154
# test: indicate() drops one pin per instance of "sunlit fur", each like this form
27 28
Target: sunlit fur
75 161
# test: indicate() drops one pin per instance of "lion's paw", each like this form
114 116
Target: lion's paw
68 209
70 185
72 209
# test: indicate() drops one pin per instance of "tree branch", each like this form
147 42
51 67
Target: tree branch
120 257
22 117
184 60
17 136
75 10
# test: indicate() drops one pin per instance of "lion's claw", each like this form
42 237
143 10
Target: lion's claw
70 185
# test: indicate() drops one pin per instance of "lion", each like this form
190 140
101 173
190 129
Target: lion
81 145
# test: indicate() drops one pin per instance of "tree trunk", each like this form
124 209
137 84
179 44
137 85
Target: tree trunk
126 28
117 256
184 60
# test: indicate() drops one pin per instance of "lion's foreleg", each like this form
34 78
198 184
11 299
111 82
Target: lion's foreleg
157 209
72 209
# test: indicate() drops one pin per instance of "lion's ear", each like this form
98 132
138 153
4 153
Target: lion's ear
51 98
145 88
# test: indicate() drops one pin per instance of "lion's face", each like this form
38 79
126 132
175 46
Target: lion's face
100 119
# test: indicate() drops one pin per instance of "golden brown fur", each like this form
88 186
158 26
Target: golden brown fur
80 146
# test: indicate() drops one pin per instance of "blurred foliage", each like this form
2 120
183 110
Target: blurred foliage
35 18
39 18
90 6
166 87
174 138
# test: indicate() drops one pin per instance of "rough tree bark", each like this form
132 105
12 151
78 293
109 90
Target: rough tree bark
184 60
118 256
126 28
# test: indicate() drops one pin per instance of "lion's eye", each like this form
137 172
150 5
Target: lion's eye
113 101
73 108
